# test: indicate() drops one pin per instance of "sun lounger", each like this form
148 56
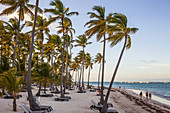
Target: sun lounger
92 90
111 111
8 96
56 92
27 110
61 99
46 95
43 107
82 91
96 106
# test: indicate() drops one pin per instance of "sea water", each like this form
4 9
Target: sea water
160 89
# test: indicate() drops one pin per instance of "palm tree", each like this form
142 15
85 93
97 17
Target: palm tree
98 26
83 42
23 7
68 29
53 42
12 29
88 64
117 33
98 59
12 84
61 13
33 105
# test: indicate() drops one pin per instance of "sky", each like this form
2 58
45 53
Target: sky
149 56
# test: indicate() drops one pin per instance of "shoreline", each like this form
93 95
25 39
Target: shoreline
156 98
130 100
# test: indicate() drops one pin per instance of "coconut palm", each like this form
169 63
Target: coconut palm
33 104
68 30
117 33
54 42
88 64
98 59
83 42
98 26
12 29
61 13
12 84
23 7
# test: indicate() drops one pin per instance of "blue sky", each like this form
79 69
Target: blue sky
149 57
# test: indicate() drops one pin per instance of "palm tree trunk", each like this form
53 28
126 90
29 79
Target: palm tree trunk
66 67
16 43
99 77
33 105
102 79
83 70
62 69
89 76
104 109
42 56
45 86
70 68
39 89
14 104
80 79
19 67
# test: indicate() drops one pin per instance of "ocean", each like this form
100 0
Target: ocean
159 89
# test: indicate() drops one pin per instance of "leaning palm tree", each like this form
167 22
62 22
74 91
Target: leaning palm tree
33 104
83 42
61 13
118 32
12 84
88 64
23 7
98 59
98 26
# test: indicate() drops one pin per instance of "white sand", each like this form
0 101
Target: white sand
81 102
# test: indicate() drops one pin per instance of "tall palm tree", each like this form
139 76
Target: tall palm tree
33 104
61 13
98 59
68 30
88 64
83 42
53 42
98 26
118 32
23 7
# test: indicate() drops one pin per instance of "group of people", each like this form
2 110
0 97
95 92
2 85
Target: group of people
150 95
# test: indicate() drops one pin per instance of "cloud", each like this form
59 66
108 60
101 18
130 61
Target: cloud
150 61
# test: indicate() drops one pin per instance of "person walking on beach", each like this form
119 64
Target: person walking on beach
140 94
146 95
150 95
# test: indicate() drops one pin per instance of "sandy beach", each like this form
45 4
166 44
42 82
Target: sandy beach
124 101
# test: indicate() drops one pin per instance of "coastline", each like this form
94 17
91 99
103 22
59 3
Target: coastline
154 97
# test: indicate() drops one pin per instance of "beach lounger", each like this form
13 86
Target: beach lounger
92 90
61 99
43 107
96 106
46 95
82 91
8 96
111 111
27 110
95 110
